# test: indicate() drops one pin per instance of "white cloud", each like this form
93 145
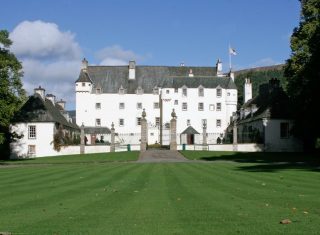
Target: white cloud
116 55
40 39
50 58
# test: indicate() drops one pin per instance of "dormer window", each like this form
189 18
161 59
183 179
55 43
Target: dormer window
219 92
156 91
122 91
139 91
184 91
200 91
98 90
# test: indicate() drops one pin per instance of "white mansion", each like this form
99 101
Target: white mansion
118 94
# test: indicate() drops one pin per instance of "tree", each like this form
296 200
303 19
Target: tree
12 95
303 73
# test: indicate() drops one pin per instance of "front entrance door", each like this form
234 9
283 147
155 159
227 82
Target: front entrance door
93 139
190 139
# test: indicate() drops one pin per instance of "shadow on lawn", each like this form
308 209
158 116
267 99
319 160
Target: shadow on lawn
270 162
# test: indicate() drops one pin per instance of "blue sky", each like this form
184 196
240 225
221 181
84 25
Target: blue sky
51 37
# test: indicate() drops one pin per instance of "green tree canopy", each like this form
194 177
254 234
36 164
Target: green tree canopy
303 73
12 95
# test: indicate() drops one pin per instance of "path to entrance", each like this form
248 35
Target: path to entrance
161 156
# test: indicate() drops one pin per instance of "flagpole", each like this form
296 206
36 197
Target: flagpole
229 57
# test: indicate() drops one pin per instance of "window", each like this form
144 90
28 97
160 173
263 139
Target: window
121 105
218 106
121 90
157 121
175 90
151 134
167 91
139 105
121 122
218 124
211 107
184 106
219 92
184 92
138 121
31 149
98 122
176 102
200 106
83 84
32 134
188 122
228 94
201 91
98 105
98 90
156 105
204 121
139 91
284 130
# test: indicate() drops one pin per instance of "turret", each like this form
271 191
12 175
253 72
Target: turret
84 83
247 93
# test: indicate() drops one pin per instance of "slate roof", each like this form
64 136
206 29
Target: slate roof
190 131
97 130
271 102
38 110
111 78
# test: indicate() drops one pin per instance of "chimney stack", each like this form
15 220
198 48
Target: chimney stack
52 98
40 91
247 94
132 70
219 68
190 73
62 104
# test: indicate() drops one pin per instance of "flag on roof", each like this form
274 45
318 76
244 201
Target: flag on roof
232 51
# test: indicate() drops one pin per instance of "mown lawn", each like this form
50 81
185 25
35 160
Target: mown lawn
165 198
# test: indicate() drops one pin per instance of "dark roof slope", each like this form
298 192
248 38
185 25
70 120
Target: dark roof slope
190 131
111 78
272 102
38 110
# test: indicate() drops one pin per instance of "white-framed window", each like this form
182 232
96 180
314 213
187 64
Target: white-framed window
98 90
284 130
31 149
121 106
151 134
219 92
167 91
188 122
201 91
98 122
122 91
121 122
32 132
83 84
204 121
228 93
184 106
184 91
157 121
218 123
200 106
211 107
139 105
156 105
176 102
98 105
218 106
138 121
139 91
176 90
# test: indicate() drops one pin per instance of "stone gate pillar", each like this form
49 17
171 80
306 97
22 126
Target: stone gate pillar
204 136
82 140
173 131
112 145
235 136
144 132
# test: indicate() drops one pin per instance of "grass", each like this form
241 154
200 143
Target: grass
69 159
164 198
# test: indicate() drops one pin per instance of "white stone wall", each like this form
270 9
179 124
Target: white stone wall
226 147
43 141
110 112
